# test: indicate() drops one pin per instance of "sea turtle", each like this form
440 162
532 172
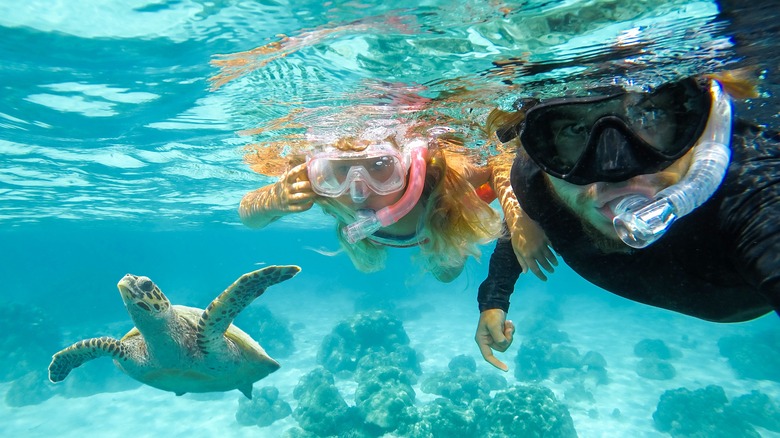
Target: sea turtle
183 349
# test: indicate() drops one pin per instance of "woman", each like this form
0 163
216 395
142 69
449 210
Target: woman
403 191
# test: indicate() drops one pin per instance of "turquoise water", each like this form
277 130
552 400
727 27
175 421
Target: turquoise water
117 157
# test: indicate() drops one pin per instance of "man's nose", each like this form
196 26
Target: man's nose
613 154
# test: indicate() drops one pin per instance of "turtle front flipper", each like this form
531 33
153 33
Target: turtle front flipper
220 313
63 362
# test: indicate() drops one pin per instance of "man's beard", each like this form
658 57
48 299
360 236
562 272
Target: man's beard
606 243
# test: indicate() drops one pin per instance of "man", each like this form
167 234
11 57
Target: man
589 172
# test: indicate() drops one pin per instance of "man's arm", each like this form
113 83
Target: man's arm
494 332
503 272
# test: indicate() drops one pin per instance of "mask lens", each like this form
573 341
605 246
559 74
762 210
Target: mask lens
326 180
671 119
383 169
660 126
333 176
557 134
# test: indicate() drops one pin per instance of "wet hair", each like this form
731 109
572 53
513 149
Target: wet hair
455 222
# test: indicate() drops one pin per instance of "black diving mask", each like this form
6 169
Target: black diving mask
612 138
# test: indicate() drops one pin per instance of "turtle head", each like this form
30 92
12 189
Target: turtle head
143 298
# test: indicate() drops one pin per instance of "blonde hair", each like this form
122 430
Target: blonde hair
740 83
455 221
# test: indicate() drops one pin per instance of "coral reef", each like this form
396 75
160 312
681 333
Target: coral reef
655 369
461 384
654 363
700 413
442 418
403 357
526 411
364 333
372 349
321 409
578 393
758 409
753 357
385 405
655 348
385 399
546 354
537 358
263 409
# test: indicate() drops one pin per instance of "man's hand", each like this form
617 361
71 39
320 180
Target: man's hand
494 332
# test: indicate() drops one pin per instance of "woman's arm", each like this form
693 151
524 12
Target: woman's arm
529 241
291 194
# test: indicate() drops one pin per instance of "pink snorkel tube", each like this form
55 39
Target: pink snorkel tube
369 222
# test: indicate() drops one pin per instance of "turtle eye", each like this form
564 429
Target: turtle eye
146 285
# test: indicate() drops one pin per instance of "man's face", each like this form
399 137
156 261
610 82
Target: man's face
593 203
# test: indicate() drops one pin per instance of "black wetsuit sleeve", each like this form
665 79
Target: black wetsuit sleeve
758 249
503 271
754 216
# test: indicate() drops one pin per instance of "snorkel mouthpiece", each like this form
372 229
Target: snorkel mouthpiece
369 222
640 221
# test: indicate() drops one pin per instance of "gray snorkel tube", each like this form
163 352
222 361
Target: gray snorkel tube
640 221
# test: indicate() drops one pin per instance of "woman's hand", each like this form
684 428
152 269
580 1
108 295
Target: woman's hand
291 194
529 242
494 332
293 191
532 248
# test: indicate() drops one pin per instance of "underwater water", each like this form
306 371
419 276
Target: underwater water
120 156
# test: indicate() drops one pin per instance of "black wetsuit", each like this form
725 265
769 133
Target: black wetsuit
720 263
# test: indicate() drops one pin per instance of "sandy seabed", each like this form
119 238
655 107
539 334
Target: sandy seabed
593 322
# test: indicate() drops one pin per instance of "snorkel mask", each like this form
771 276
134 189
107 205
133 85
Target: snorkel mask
616 137
380 169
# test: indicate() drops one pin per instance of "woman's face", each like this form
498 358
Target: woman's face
594 203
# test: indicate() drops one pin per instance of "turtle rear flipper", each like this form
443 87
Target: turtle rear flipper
63 362
220 313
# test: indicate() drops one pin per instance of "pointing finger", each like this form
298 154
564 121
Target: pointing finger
487 354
